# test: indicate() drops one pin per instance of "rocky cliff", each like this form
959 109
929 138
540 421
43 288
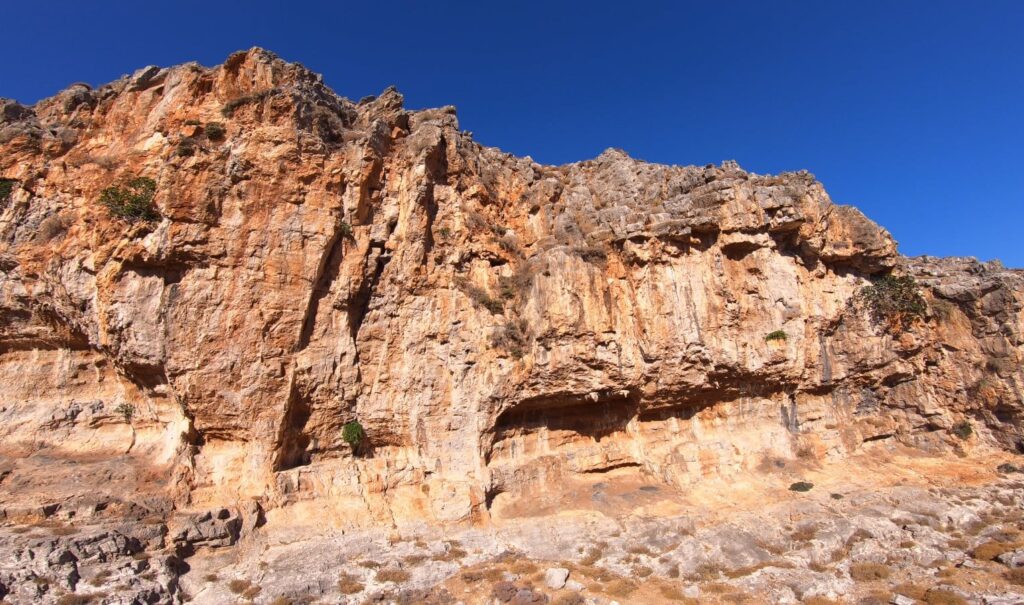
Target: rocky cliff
495 325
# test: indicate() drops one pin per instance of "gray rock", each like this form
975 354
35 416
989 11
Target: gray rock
213 529
1012 559
575 586
555 577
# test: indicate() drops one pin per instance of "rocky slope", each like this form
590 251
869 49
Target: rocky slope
497 326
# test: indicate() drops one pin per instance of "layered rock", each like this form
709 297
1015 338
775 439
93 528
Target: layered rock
494 324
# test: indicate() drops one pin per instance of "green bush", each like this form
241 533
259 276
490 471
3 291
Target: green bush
126 411
894 301
801 486
353 434
132 200
345 230
6 188
215 131
513 337
481 298
186 147
963 430
776 335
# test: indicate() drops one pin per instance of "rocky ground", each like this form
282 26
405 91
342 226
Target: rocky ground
891 525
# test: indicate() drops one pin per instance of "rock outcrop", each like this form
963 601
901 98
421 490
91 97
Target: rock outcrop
494 324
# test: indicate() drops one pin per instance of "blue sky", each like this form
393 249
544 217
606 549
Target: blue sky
911 110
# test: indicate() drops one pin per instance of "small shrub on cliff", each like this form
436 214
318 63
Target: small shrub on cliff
481 298
393 575
239 586
592 254
345 230
186 147
353 434
894 301
349 584
509 244
776 335
512 337
801 486
215 131
131 200
869 572
125 411
229 108
6 188
963 430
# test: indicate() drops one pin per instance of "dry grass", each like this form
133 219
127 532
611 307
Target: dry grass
804 533
597 574
772 547
946 572
642 571
671 592
369 564
746 571
414 560
914 591
640 549
100 578
393 575
621 588
818 566
869 572
716 588
706 572
593 556
491 574
936 596
252 592
819 600
347 584
573 598
211 577
975 528
239 586
990 550
523 567
1015 576
454 553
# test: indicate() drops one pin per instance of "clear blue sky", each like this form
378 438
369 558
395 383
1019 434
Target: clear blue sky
913 111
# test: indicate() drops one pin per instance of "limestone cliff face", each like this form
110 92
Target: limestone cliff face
493 323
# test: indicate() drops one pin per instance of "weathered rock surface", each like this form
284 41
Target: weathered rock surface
496 325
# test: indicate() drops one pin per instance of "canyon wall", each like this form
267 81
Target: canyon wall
493 323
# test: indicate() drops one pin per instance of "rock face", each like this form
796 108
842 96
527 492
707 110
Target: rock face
494 324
